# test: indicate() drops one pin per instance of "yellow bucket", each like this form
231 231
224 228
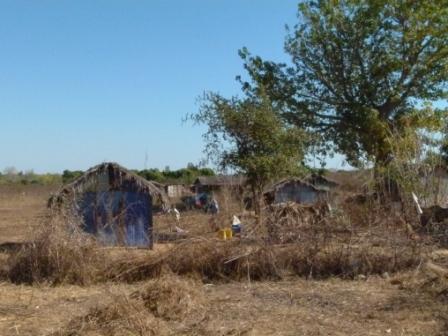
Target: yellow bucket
229 233
225 234
222 234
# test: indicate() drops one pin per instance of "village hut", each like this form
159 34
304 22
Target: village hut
321 182
113 204
294 190
207 184
177 190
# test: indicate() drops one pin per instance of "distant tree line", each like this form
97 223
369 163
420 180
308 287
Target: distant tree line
70 175
180 176
10 175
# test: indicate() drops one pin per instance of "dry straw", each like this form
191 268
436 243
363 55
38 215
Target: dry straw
167 306
59 254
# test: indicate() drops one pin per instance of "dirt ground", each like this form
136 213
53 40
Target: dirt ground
368 306
295 307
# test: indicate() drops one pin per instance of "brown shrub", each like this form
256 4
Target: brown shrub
345 261
211 259
292 222
57 256
431 277
124 316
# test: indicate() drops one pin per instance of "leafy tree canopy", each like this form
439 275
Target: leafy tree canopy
361 70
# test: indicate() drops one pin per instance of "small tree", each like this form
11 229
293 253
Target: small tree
248 136
70 175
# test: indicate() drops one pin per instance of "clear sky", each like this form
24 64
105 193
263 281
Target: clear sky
87 81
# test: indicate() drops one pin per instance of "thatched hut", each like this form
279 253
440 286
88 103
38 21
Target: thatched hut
113 204
321 182
207 184
294 190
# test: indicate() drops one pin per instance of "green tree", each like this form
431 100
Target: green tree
152 174
70 175
183 175
361 71
247 136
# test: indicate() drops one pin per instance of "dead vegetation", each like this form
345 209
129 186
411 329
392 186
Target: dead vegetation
179 301
125 316
219 261
174 288
301 241
57 256
175 299
431 277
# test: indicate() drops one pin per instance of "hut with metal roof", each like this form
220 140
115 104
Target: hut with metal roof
113 204
294 190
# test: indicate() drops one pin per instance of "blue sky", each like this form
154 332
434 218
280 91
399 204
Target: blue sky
87 81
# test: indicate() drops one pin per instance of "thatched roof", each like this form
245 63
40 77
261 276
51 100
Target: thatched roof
320 181
280 184
119 178
220 180
271 192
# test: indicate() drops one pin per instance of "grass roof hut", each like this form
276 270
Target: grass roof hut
294 190
114 204
321 182
205 184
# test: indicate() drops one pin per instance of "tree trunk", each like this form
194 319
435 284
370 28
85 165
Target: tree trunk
386 186
257 194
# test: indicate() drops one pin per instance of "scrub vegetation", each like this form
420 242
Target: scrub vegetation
365 79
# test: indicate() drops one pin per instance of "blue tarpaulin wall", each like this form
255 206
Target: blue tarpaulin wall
118 217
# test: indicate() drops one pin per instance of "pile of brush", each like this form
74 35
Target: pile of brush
58 255
215 260
166 306
292 222
61 255
431 277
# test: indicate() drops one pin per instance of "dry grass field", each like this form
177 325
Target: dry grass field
136 292
21 209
